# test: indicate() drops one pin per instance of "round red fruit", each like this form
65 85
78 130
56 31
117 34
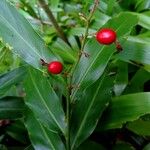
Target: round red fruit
106 36
55 67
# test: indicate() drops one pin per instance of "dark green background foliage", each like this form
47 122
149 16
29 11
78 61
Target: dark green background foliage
101 100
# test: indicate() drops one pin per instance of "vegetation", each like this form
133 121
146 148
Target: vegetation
64 85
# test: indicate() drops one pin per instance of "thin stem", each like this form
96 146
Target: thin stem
88 23
96 2
53 20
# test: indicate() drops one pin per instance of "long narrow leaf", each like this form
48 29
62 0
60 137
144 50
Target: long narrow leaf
126 108
11 108
121 78
15 30
43 101
42 138
10 78
89 69
87 111
137 82
136 49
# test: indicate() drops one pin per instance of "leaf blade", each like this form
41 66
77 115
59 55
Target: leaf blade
41 98
90 69
126 108
11 108
10 78
86 112
21 36
41 137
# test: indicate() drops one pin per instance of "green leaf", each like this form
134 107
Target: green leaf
140 127
63 50
122 24
121 78
80 31
100 22
89 69
144 20
135 49
125 108
3 147
137 82
110 6
29 148
10 78
41 137
11 108
142 5
89 108
43 101
54 4
147 147
17 131
15 30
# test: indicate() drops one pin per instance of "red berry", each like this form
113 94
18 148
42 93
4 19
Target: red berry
55 67
106 36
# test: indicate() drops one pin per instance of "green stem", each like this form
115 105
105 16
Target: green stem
96 2
69 79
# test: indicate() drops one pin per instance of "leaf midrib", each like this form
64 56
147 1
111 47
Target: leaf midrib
7 82
81 80
84 75
86 114
30 46
49 141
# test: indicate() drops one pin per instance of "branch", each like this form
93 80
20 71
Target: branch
53 20
88 20
96 2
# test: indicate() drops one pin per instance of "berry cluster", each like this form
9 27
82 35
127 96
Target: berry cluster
104 36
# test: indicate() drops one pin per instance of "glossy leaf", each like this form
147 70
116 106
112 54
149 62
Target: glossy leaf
41 137
11 108
122 24
137 82
80 31
87 111
43 101
63 50
89 69
121 78
126 108
140 127
135 49
144 20
29 148
142 5
147 147
18 33
11 78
